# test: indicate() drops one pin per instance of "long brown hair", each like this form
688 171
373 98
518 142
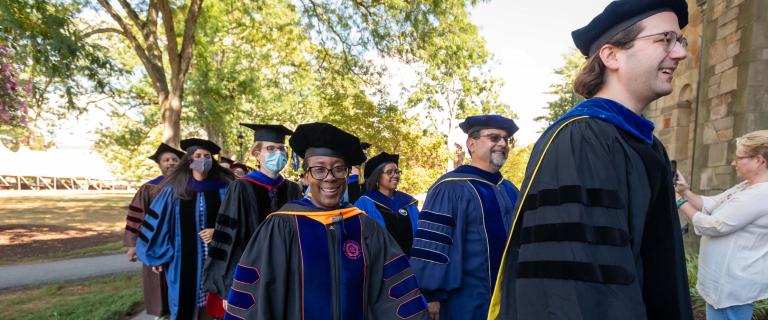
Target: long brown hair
180 176
591 77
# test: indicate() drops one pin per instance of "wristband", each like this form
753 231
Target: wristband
681 202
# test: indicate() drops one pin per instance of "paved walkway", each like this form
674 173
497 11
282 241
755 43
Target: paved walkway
64 270
143 316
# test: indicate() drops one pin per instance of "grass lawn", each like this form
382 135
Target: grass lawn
39 226
90 251
89 210
110 298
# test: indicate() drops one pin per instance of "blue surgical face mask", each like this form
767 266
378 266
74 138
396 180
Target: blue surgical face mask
275 161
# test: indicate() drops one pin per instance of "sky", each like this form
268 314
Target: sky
526 38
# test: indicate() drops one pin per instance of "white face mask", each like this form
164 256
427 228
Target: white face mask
201 165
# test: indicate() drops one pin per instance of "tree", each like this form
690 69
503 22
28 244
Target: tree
13 104
128 141
455 81
565 96
514 168
265 69
255 61
143 19
340 30
51 60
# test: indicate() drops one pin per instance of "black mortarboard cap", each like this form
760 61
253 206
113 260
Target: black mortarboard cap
163 148
620 15
378 160
488 121
202 143
365 145
268 132
325 139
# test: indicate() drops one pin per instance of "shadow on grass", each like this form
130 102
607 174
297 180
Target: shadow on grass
88 211
60 225
35 243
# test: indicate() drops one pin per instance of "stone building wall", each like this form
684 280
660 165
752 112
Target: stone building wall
720 91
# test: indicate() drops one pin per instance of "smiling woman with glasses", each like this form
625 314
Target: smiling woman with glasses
320 172
319 257
395 210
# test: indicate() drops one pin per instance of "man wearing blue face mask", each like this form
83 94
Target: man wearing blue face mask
247 203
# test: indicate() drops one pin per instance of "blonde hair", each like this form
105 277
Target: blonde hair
256 147
754 143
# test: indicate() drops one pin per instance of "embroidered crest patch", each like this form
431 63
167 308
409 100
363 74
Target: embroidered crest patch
352 249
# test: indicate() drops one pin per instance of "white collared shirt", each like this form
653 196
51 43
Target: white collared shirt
733 256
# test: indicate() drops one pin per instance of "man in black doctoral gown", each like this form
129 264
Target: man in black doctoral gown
596 234
247 203
319 258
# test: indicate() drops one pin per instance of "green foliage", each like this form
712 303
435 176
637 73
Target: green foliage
274 61
699 305
514 168
127 142
53 58
455 80
14 97
293 80
565 97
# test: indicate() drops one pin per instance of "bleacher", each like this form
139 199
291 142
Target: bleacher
56 169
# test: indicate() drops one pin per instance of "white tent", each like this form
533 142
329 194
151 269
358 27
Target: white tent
57 163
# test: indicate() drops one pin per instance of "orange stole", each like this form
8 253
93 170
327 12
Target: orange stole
325 217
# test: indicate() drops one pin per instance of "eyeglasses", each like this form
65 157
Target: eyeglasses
320 172
495 138
393 172
271 149
742 158
670 39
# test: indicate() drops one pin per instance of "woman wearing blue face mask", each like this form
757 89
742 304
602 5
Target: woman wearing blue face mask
178 226
247 203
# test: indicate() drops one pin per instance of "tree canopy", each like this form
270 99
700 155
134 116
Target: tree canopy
198 68
565 96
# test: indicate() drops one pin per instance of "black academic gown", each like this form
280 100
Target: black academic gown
355 189
596 234
249 200
304 262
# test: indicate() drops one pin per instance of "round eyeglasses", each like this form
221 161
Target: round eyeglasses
670 39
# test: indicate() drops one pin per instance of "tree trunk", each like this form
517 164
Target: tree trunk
451 153
449 145
170 107
150 54
216 136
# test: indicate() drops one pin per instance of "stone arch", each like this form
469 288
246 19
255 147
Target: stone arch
680 147
685 96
